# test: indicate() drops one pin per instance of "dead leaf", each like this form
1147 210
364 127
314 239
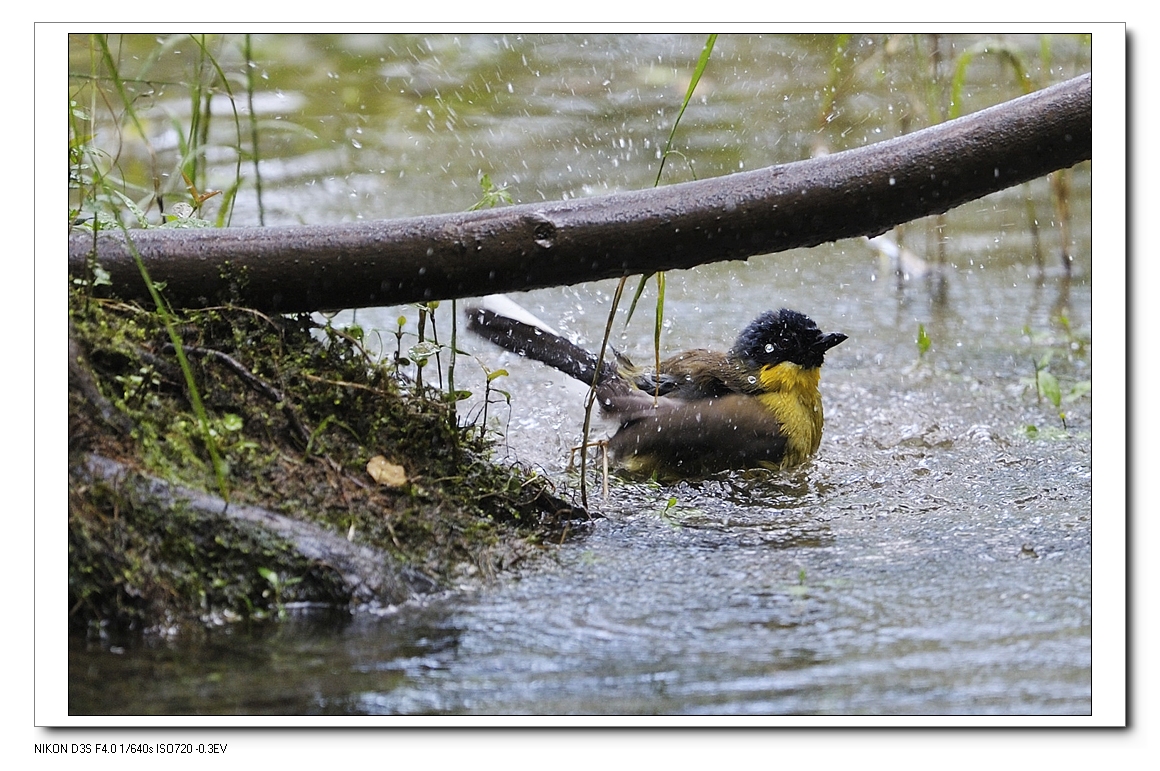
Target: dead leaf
386 473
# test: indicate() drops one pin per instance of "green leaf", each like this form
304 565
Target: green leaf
923 340
698 71
496 373
139 215
636 296
1049 387
1080 389
423 350
492 196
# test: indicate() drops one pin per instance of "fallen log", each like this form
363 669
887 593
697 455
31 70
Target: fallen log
860 192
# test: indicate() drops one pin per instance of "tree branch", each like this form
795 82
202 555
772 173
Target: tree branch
859 192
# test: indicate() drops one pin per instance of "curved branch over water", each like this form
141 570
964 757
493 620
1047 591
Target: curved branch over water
861 192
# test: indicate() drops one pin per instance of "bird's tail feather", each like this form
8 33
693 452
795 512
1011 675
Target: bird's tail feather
539 344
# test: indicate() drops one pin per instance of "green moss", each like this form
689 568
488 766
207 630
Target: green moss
296 411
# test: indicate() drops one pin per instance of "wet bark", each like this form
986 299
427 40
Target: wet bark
861 192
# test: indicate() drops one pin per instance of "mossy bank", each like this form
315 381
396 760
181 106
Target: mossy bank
294 412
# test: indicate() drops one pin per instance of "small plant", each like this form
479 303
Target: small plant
136 385
278 587
422 350
1047 386
399 360
420 353
491 195
1045 382
922 341
1076 345
800 589
491 376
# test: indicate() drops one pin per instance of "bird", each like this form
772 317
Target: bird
756 405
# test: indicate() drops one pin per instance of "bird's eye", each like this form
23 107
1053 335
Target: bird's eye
769 347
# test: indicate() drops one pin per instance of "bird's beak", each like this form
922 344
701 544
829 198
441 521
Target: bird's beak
829 341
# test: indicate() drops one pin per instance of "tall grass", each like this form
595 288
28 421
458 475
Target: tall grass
125 135
108 192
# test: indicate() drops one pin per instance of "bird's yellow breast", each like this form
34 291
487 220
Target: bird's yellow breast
791 393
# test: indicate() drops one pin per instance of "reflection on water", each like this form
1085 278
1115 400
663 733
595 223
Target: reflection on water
935 558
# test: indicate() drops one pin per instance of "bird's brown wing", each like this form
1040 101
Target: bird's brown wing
681 438
709 373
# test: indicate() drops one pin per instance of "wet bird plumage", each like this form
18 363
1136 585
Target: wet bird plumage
757 405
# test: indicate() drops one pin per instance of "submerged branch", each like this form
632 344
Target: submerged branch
861 192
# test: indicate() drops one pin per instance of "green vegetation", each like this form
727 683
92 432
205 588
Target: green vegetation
104 187
1063 360
491 195
922 340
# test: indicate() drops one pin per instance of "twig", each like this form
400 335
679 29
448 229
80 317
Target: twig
255 382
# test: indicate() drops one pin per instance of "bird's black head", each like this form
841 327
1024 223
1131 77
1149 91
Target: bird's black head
784 335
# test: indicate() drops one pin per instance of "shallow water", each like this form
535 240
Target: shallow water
935 558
